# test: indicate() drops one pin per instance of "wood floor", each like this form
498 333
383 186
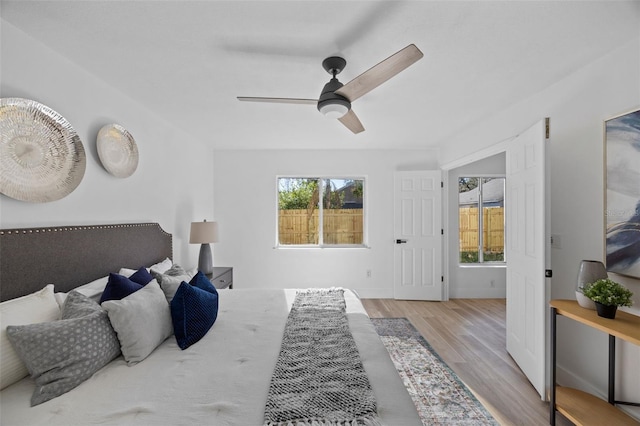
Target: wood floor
470 336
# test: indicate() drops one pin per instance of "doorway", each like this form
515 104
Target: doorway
527 247
472 280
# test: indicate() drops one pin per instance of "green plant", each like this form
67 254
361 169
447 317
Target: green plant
472 256
608 293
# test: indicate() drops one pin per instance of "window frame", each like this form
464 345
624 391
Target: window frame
481 262
321 244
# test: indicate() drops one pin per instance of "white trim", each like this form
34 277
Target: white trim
375 293
482 265
478 293
445 239
492 150
321 246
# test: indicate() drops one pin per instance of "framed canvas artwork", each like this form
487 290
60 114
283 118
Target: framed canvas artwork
622 198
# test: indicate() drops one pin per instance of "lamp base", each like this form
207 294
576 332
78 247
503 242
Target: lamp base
205 260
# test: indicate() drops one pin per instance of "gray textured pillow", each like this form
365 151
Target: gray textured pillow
142 321
171 279
58 364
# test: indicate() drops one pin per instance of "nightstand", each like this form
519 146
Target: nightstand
222 277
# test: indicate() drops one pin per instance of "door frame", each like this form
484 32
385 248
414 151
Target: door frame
498 148
490 151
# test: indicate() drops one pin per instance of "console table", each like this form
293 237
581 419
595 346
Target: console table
580 407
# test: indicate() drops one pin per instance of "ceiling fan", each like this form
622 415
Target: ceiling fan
335 99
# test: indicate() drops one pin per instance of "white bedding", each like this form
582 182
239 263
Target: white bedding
221 380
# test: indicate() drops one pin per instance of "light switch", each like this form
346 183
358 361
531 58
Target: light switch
556 241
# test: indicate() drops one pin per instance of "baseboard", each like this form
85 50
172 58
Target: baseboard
477 293
567 378
464 293
375 293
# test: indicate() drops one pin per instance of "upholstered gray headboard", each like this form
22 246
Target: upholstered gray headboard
69 256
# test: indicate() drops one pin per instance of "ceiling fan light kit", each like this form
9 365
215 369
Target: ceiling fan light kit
336 98
333 109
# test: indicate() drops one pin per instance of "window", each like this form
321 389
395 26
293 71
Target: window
481 218
326 212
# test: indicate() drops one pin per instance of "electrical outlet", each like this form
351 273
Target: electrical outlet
492 283
368 273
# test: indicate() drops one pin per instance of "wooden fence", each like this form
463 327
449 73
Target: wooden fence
345 226
493 226
341 226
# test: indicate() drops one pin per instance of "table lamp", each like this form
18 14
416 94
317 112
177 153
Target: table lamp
204 233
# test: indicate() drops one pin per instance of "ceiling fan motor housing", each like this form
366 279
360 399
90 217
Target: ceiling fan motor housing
329 97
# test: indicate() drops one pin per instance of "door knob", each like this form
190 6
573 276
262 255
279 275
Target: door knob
401 241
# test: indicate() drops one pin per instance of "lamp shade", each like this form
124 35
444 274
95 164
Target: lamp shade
203 232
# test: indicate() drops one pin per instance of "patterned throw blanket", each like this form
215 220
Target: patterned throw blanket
319 378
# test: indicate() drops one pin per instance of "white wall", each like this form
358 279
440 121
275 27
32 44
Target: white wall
173 184
466 281
245 208
577 107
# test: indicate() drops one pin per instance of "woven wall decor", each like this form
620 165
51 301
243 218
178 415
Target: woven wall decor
42 158
117 150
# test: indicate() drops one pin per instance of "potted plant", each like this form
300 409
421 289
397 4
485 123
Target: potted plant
608 295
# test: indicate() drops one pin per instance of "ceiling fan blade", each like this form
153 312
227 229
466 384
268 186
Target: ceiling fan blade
352 122
380 73
279 100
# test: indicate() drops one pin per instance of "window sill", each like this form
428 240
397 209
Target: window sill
332 246
482 265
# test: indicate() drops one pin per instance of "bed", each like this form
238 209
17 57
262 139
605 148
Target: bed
223 379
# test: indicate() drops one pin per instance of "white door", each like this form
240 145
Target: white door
527 245
418 235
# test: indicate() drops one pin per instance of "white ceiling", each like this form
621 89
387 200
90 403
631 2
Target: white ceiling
188 60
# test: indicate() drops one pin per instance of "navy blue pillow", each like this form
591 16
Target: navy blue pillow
201 281
193 311
141 276
118 287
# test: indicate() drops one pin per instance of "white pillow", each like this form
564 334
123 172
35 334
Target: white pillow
172 278
163 266
160 267
37 307
126 272
141 320
92 290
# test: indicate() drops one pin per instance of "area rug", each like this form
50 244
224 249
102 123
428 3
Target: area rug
439 395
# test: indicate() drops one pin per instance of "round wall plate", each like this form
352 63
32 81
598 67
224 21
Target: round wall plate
117 150
42 158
